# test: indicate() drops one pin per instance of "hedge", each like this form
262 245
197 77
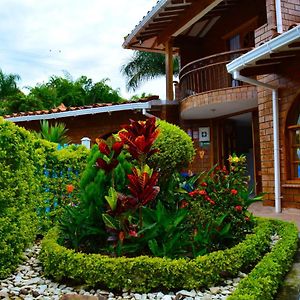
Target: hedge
20 192
58 169
264 280
145 273
28 191
176 149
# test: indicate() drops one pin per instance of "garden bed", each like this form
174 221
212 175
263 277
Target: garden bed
152 273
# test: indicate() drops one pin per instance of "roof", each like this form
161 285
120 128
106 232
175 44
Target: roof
64 112
172 18
270 56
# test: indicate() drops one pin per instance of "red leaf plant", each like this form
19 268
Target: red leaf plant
139 137
142 185
110 151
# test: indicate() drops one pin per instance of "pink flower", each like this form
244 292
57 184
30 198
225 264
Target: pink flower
238 208
133 233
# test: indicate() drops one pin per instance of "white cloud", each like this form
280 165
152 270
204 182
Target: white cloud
41 38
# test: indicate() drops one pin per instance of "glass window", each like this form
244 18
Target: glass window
294 137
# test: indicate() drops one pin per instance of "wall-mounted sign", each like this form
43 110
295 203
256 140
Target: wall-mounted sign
204 134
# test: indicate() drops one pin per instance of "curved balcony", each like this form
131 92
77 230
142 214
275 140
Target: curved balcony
208 74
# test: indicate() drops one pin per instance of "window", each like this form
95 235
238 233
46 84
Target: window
294 143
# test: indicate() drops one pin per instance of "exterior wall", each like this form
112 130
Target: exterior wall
98 125
288 82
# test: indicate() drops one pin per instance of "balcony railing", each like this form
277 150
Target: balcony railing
208 73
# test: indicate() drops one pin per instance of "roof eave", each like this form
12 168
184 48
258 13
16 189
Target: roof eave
258 53
145 20
76 113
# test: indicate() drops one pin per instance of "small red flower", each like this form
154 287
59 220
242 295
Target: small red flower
207 198
203 184
233 192
247 219
193 193
183 204
195 232
202 192
238 208
70 188
212 202
133 233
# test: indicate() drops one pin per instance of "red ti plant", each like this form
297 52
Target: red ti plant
139 137
110 151
142 185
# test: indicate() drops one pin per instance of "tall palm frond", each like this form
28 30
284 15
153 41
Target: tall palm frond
8 84
144 66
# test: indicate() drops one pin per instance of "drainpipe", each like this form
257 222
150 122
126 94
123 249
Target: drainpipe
145 113
278 16
237 76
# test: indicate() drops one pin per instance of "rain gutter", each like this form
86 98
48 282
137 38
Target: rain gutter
82 112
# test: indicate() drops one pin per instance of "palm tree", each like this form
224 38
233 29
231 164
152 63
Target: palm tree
55 133
144 66
8 85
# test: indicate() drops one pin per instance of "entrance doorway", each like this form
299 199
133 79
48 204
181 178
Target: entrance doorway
239 136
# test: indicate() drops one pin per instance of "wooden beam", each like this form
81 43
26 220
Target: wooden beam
260 70
189 14
169 70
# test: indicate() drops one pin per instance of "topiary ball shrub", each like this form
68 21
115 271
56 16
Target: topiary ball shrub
20 193
176 149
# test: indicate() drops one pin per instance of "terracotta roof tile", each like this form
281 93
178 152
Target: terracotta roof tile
62 107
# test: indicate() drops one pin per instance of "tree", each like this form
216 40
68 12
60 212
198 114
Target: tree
8 85
144 66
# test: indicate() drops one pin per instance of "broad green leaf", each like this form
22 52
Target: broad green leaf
110 222
112 198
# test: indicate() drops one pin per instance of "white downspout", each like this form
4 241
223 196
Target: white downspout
237 76
278 16
145 113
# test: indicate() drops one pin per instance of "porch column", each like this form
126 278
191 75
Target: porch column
169 70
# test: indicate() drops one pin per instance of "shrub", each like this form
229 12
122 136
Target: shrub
218 206
145 273
59 171
20 192
176 149
264 280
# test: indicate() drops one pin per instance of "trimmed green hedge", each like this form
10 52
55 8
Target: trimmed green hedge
58 168
176 149
26 191
20 192
263 281
146 273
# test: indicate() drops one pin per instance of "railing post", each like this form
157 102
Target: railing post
85 141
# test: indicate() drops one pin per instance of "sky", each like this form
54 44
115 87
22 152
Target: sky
41 38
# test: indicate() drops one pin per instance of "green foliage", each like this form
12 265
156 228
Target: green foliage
223 195
176 149
144 66
57 90
145 273
54 133
264 280
8 85
59 170
20 193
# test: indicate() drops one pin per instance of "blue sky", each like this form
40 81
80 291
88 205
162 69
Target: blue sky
40 38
